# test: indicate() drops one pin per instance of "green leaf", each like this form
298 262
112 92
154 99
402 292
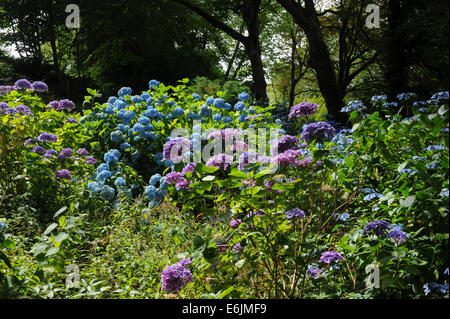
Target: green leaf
60 211
50 228
226 292
409 201
60 237
51 251
237 173
5 259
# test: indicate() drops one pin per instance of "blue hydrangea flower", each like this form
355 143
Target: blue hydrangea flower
102 167
124 91
371 196
120 182
153 83
227 119
205 112
138 127
435 148
103 175
120 105
242 118
149 127
155 179
217 117
107 192
406 96
219 103
150 191
116 136
177 112
129 115
379 98
144 120
196 97
192 116
125 146
243 96
239 106
210 101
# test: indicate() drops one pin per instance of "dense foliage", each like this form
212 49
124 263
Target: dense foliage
114 196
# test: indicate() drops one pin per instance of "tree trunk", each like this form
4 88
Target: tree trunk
319 57
396 75
293 80
250 15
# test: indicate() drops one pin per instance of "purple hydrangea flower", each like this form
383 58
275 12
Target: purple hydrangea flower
22 84
54 105
67 152
39 86
190 167
314 272
177 179
237 248
50 154
285 143
319 131
175 149
235 222
22 109
28 142
303 109
71 120
38 150
82 152
174 278
397 236
66 105
47 137
227 134
90 160
294 213
5 89
184 262
329 256
64 174
377 227
291 158
221 161
248 158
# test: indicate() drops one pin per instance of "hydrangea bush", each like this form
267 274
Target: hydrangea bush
306 219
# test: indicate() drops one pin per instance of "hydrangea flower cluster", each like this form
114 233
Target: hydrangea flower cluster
303 109
329 256
63 174
377 227
20 109
64 104
314 272
294 213
397 236
175 149
221 161
356 105
318 131
176 277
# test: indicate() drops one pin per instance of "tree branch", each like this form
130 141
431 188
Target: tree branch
213 21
